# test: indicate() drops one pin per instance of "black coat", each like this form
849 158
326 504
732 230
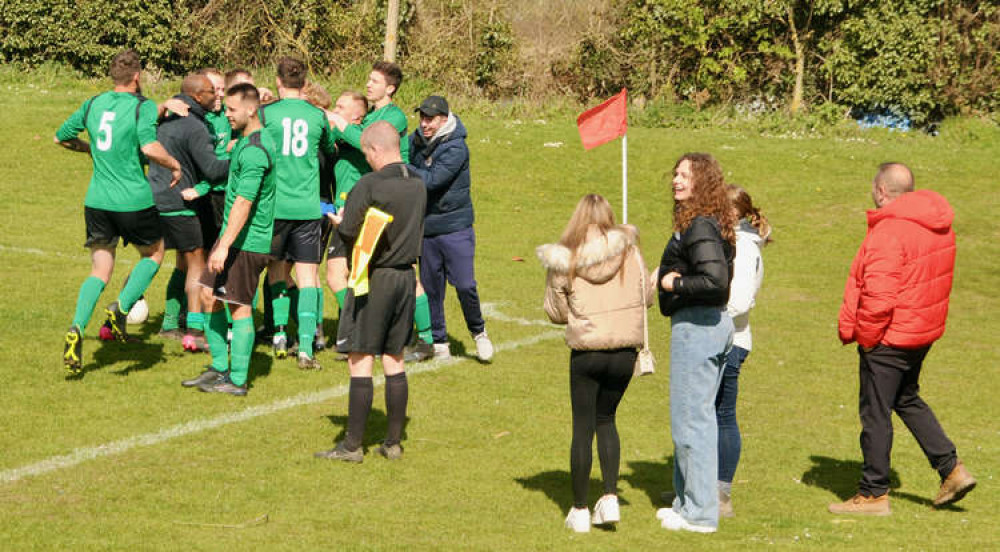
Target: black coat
705 261
189 141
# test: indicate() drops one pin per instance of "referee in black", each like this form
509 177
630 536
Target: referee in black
381 322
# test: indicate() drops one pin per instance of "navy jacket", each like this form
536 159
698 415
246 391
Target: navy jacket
443 163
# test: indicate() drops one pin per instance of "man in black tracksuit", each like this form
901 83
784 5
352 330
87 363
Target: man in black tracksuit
189 140
381 321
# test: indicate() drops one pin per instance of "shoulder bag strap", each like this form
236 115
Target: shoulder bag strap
645 317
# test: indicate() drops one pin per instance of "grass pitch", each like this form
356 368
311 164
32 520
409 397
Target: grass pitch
124 458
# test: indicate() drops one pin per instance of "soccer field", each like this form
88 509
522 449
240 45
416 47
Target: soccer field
125 458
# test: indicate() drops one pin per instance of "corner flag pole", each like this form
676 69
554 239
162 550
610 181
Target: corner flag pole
624 178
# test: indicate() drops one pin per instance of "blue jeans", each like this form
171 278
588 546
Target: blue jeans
730 442
700 337
451 258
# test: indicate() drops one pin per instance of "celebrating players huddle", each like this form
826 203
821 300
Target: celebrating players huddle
242 182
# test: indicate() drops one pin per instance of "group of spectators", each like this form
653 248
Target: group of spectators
895 306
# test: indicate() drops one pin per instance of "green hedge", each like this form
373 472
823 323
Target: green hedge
923 58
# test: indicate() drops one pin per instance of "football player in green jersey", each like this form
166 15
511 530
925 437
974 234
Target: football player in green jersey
383 83
301 130
348 169
241 252
119 203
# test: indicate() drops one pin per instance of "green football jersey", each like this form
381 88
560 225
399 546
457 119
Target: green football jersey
119 124
253 177
299 130
221 134
391 113
349 168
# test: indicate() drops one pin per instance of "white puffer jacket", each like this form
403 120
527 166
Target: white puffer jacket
748 273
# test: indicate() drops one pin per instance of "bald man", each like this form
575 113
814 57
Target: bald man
380 323
895 306
187 139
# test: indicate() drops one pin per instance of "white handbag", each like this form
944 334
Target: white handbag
645 364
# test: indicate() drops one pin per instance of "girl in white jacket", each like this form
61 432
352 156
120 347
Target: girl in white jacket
752 233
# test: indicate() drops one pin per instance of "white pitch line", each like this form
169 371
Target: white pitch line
490 312
82 455
61 255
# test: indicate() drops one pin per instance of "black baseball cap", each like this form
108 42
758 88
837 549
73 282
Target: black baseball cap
433 105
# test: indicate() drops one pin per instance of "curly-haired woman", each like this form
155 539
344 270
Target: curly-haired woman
695 273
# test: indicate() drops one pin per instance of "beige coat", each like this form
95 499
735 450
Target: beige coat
602 306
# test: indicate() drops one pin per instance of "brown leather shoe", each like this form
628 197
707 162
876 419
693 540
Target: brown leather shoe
861 504
954 487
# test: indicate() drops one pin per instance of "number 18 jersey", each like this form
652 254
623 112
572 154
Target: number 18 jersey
119 124
299 131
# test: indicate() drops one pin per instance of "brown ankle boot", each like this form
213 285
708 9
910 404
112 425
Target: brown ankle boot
861 504
954 487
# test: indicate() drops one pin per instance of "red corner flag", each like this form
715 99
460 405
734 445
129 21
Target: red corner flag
605 122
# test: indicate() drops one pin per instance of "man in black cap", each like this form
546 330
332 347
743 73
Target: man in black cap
439 154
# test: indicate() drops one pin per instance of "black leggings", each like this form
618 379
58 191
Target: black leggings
597 382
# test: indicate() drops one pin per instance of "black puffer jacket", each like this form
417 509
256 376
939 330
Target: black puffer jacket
704 260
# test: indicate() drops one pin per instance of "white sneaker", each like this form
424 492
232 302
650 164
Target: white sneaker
484 347
606 511
578 520
671 520
442 351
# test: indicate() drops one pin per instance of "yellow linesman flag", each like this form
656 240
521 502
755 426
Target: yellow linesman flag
364 248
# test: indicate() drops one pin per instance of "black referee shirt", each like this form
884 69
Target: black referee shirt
396 190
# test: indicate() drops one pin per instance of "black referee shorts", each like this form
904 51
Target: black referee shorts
104 228
380 322
297 241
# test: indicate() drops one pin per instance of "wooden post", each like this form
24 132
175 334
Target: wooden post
391 30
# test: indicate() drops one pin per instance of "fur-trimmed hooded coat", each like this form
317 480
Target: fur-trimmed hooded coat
602 306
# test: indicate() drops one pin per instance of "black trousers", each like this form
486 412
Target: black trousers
597 382
889 382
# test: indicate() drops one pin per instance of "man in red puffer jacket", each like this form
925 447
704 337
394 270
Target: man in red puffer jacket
895 307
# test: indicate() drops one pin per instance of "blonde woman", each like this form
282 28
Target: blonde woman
596 278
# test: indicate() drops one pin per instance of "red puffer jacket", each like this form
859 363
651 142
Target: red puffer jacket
897 291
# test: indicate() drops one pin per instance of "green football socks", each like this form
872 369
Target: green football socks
90 292
215 334
196 321
293 303
341 296
243 336
319 305
137 283
175 299
422 318
308 303
280 303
